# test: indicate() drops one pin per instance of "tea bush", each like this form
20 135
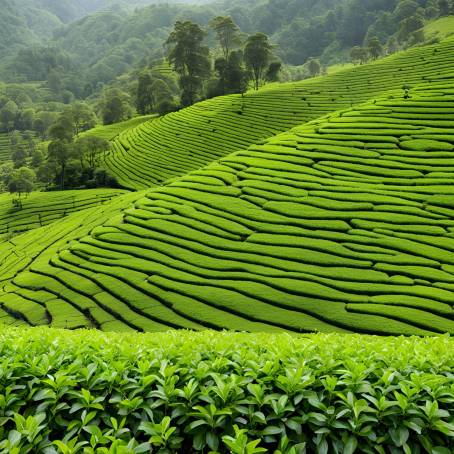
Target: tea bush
85 391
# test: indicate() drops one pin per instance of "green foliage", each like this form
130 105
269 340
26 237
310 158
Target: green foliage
179 392
257 55
189 57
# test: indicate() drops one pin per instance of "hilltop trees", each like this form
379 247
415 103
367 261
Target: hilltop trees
359 55
114 106
314 67
21 181
152 91
190 59
375 48
228 34
257 55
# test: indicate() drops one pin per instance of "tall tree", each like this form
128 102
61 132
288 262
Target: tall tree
190 59
228 34
375 48
90 149
257 54
314 67
21 181
359 55
59 153
145 101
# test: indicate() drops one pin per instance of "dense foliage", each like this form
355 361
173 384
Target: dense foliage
181 392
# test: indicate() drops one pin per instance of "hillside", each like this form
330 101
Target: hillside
177 143
42 208
340 224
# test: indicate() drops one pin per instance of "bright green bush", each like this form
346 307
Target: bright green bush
70 392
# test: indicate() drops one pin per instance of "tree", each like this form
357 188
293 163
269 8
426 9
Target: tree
392 45
59 153
8 115
375 48
359 55
6 171
257 54
145 101
21 181
62 129
54 81
190 59
272 73
19 157
444 7
227 33
314 67
404 9
409 26
89 150
115 106
82 117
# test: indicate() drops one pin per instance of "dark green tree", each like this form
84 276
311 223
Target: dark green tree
272 73
21 181
314 67
59 153
257 55
375 48
90 149
228 34
145 101
189 58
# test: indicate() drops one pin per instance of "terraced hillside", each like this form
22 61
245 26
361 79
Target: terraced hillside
4 148
342 224
153 153
110 132
35 247
42 208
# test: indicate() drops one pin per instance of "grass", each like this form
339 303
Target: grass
195 392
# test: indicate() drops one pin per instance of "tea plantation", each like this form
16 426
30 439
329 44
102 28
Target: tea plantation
344 223
5 153
157 151
41 208
184 392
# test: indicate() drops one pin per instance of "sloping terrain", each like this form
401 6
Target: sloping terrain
110 132
41 208
5 153
183 141
343 224
36 246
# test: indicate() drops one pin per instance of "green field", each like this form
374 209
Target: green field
343 223
41 208
157 151
220 392
110 132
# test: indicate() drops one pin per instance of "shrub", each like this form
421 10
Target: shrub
185 392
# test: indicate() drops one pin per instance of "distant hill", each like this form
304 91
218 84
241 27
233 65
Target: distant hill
27 22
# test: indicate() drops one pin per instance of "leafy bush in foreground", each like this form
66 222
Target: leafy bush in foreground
187 392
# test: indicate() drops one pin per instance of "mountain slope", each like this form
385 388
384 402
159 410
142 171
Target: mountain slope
344 224
340 224
186 140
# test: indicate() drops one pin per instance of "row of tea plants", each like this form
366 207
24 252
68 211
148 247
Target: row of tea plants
91 392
